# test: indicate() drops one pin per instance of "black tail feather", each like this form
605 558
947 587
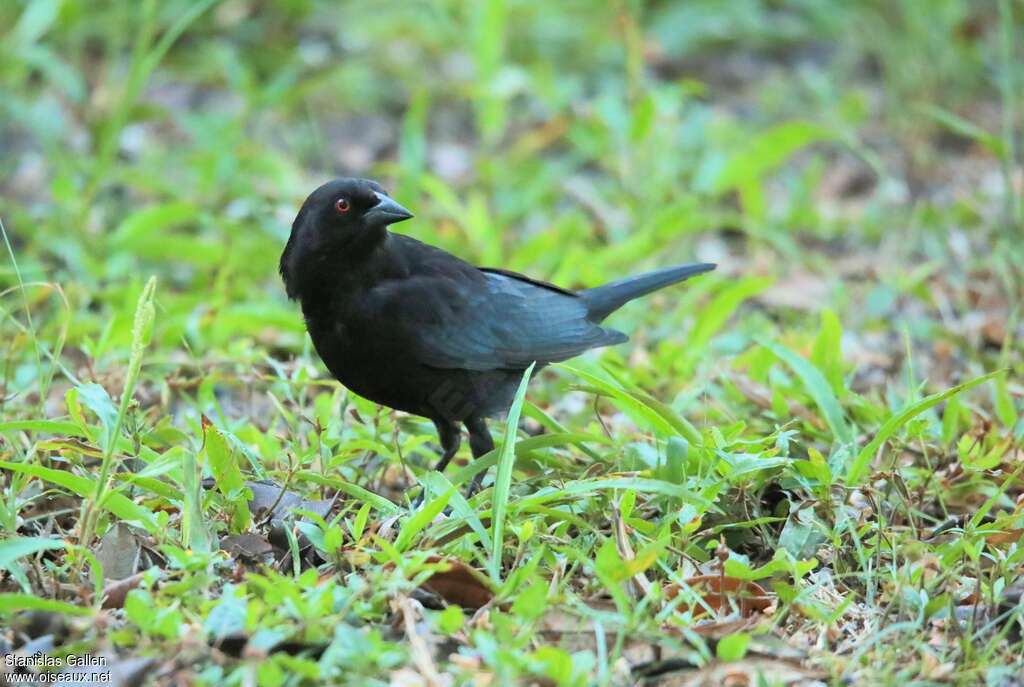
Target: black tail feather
602 301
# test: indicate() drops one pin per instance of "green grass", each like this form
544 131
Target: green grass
804 468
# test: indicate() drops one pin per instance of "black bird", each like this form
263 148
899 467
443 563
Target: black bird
410 326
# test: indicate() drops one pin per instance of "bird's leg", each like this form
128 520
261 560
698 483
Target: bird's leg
450 437
481 443
448 434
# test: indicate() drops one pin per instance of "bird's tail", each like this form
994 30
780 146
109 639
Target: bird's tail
602 301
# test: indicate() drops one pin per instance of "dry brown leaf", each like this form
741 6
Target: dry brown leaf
119 552
116 592
723 592
459 584
248 547
1004 537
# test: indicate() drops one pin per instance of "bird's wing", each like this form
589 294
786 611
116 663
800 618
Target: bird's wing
493 321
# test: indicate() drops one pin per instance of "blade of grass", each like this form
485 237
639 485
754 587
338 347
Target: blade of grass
860 464
354 490
637 408
439 484
638 484
19 547
142 330
503 482
526 445
1008 96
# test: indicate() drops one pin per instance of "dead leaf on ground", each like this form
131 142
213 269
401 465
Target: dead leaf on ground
116 592
119 552
251 548
934 670
459 584
722 592
1005 537
268 496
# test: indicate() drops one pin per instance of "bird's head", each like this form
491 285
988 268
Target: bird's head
342 219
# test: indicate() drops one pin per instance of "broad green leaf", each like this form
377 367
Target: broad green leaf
36 19
420 519
732 647
96 398
781 562
11 603
147 226
62 427
227 474
1003 402
195 533
18 547
802 534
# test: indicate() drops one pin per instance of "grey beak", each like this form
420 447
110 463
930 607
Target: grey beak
386 211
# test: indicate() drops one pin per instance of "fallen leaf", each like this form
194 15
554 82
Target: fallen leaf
932 669
248 547
119 552
459 584
267 495
115 593
1005 537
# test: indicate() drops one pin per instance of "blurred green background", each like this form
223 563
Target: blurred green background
577 141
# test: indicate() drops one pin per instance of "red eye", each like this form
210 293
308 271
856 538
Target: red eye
341 205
